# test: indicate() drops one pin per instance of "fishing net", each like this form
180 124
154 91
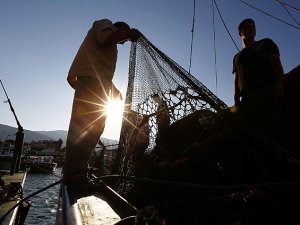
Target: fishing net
160 93
177 135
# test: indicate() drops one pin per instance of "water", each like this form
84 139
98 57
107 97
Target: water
44 205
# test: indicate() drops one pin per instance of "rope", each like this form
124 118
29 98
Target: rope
292 7
215 49
201 186
193 25
283 5
225 25
298 28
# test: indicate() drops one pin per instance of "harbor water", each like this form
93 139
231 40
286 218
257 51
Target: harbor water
43 205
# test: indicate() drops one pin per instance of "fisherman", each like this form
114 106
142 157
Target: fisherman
259 83
91 75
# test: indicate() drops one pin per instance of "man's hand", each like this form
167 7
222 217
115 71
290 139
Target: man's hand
135 34
115 93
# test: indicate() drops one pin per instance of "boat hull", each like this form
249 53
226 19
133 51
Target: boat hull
42 168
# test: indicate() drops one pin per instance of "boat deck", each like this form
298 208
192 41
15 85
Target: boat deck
7 204
105 207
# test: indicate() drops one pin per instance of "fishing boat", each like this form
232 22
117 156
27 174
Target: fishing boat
6 155
41 164
205 167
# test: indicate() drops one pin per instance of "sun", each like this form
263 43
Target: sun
114 108
114 111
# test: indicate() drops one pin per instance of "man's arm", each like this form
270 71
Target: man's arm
122 35
237 94
279 75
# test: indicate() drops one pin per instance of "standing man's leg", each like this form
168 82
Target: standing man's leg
86 125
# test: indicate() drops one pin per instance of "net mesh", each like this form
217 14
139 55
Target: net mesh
160 93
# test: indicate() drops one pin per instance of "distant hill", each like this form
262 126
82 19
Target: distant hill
56 135
8 132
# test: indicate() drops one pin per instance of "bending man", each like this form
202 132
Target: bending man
91 75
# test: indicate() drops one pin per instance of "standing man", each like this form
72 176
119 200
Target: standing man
259 83
91 75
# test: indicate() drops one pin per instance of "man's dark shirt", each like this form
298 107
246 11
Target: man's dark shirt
253 68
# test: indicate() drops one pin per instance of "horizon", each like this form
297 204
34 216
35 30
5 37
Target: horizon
9 135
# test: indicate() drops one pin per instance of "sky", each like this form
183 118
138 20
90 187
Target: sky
39 40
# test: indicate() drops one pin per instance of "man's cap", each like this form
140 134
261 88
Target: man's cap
244 22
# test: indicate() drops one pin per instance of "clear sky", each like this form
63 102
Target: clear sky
39 39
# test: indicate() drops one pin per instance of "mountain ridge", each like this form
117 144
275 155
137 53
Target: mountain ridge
8 133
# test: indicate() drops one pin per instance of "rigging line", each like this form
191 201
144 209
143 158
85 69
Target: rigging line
215 51
193 25
12 108
225 25
212 187
270 15
292 7
289 13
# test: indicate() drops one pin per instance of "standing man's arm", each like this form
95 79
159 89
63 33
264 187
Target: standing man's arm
237 94
279 75
122 35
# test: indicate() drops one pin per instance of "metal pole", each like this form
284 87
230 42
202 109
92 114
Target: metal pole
15 164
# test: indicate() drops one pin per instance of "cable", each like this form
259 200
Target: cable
202 186
226 26
193 25
283 5
215 49
292 7
11 108
270 15
28 197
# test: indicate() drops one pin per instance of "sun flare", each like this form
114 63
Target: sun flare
114 110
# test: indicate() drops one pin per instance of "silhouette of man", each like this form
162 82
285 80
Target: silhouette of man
91 75
259 82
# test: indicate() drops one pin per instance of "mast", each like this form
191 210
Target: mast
16 161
